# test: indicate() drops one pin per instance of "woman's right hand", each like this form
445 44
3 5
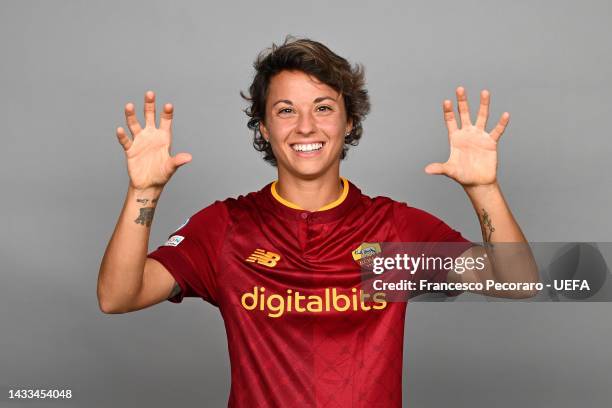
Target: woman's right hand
148 151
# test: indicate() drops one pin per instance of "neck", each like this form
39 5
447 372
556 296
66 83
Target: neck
309 195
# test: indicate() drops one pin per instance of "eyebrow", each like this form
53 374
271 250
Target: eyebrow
317 100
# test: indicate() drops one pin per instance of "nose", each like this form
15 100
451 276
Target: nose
306 124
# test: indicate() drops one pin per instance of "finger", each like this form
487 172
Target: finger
180 159
149 109
132 121
483 112
464 110
165 120
123 138
501 126
449 116
435 168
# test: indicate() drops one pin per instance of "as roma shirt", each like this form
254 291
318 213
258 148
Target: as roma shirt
284 279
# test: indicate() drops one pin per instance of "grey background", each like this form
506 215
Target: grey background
69 67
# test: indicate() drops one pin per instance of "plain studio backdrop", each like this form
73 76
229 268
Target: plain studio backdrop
68 68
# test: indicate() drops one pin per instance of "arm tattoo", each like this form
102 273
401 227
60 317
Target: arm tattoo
175 290
146 213
144 201
146 216
486 221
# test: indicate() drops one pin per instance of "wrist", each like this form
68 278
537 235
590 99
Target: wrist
150 194
482 189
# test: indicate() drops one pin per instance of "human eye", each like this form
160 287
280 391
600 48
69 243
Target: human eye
324 108
284 111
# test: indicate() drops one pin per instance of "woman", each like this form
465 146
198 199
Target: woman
282 264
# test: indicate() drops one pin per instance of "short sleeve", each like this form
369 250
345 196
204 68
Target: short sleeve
416 225
191 253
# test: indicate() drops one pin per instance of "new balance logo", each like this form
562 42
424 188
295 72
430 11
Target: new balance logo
263 257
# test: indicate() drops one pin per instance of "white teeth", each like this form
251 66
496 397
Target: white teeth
307 147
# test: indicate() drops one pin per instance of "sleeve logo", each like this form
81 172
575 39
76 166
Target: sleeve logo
174 240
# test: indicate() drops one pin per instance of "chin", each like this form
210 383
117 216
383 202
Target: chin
310 165
308 171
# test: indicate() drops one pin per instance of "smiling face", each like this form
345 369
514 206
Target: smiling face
305 123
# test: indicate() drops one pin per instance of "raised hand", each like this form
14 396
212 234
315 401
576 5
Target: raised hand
148 151
473 151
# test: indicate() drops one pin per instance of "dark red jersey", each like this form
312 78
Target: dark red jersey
285 281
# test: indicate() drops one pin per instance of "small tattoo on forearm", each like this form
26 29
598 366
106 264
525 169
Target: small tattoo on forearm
145 201
146 216
486 221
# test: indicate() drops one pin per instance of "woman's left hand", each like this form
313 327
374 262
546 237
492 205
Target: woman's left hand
473 151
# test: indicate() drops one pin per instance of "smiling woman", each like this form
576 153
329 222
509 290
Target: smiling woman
307 108
306 133
302 235
321 65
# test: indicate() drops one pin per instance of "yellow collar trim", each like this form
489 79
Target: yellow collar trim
329 206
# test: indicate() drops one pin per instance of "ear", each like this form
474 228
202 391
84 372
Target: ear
264 131
349 126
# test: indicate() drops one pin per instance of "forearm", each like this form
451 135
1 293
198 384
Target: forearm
497 223
121 270
511 260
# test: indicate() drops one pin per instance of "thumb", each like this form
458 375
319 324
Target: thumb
434 168
179 159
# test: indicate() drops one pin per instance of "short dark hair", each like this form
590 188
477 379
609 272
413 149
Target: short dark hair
312 58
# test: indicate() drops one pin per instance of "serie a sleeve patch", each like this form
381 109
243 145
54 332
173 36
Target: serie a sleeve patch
174 240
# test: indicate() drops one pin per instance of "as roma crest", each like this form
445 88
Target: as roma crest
364 253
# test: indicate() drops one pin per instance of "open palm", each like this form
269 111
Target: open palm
473 151
148 152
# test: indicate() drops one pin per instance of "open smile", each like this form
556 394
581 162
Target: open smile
307 148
